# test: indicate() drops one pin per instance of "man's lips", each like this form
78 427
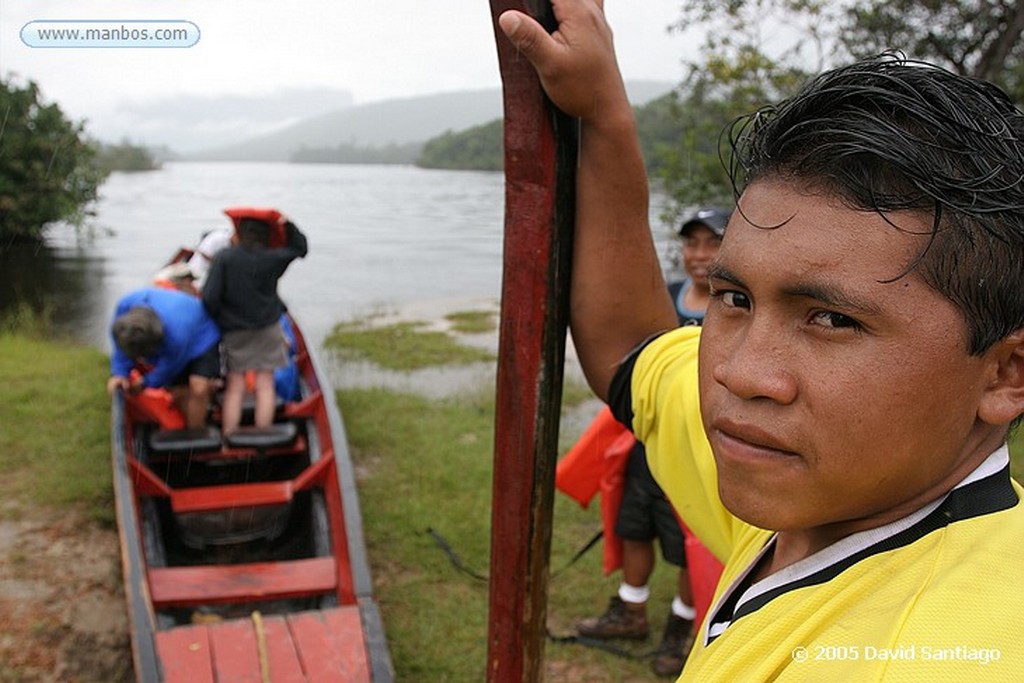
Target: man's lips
748 442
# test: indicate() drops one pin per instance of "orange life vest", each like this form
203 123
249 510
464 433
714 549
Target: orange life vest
272 217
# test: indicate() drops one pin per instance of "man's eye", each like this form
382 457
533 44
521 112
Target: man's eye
834 320
735 299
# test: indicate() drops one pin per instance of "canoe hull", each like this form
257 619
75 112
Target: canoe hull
273 580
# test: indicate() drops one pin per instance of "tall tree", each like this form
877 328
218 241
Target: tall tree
978 38
46 164
755 52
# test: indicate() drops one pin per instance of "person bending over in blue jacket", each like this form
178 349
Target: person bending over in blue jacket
173 341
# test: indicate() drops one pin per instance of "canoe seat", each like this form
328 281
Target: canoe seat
226 497
201 439
277 435
219 584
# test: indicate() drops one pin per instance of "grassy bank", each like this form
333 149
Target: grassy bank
425 473
409 344
54 425
424 469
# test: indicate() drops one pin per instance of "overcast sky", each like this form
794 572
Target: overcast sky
366 51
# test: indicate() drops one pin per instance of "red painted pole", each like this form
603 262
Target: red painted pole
540 153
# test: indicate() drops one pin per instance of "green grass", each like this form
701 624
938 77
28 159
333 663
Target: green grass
24 320
54 424
472 322
427 464
401 346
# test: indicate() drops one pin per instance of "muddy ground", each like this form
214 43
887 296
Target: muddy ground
62 609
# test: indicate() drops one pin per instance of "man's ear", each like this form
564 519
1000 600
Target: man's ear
1003 399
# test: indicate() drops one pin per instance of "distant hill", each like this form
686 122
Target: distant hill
188 123
405 123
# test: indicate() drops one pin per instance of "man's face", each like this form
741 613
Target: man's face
835 397
700 247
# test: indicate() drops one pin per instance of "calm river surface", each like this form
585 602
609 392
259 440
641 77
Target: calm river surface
380 237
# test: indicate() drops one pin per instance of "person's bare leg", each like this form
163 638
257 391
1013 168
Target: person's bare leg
232 409
265 398
685 592
180 395
637 562
198 401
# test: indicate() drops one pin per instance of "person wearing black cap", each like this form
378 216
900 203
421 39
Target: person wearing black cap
701 235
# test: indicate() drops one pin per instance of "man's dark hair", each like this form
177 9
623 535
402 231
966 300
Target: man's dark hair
253 232
138 332
890 134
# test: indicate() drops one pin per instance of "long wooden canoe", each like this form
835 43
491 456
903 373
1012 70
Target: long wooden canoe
244 558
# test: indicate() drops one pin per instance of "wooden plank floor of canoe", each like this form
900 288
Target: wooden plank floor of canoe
323 646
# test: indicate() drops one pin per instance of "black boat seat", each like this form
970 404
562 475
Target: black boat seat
276 435
199 439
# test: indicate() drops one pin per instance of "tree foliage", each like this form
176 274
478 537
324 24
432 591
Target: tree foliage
480 148
358 154
47 172
756 52
977 38
125 157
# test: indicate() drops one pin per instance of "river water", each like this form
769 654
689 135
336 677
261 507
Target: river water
381 237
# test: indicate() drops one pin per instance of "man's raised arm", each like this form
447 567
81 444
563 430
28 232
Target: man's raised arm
618 296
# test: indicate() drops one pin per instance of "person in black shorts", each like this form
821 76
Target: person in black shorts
241 294
645 514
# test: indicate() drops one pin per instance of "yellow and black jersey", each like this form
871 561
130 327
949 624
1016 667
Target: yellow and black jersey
936 596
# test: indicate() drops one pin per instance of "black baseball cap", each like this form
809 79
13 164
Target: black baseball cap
714 218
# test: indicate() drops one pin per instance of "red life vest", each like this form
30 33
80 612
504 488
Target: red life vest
272 217
596 463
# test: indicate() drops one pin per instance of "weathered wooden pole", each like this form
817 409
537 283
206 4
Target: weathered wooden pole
540 161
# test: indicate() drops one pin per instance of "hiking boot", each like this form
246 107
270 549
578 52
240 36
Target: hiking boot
675 646
622 620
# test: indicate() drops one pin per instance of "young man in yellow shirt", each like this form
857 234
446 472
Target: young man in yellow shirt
836 433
